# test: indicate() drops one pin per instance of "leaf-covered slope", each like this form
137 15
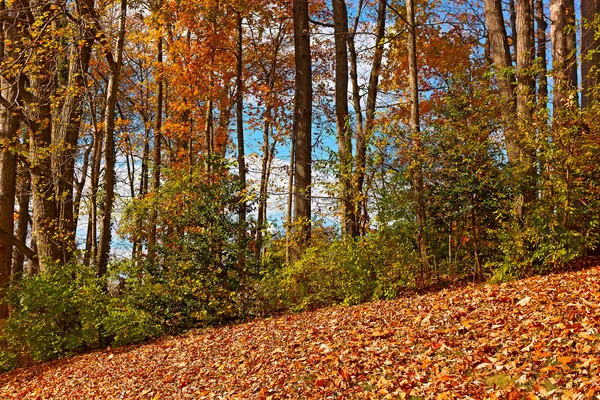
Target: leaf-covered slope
536 337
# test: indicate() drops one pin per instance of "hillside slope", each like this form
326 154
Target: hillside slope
536 338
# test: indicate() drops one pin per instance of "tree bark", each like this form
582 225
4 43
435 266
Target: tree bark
363 135
302 128
66 132
564 61
109 155
525 97
156 153
416 164
344 140
590 54
9 125
542 25
241 155
502 61
24 197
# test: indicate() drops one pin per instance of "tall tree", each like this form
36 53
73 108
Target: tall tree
302 128
114 62
564 60
416 168
342 122
590 51
541 26
9 125
156 153
241 156
502 61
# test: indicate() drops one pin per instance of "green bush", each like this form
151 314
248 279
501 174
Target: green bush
344 272
54 313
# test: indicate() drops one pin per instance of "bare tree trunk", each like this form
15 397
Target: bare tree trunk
24 198
241 156
91 237
542 25
290 204
502 61
9 125
589 52
262 191
156 154
66 132
109 154
564 61
526 96
416 165
302 128
340 23
362 139
513 27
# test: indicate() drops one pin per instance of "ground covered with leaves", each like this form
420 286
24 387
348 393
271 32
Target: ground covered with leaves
535 338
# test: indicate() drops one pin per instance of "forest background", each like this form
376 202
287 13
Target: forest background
401 144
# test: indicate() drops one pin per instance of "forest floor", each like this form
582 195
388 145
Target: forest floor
534 338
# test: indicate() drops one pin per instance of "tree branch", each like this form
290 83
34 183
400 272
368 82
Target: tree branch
22 247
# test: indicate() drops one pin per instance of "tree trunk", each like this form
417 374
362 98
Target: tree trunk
416 165
109 154
66 132
9 125
241 156
156 153
24 197
589 52
340 23
363 135
502 61
262 191
542 25
525 97
564 61
302 129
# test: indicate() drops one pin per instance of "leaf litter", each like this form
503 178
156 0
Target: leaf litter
531 339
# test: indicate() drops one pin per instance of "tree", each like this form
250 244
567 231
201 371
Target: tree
114 64
302 128
416 168
342 120
564 61
9 125
590 54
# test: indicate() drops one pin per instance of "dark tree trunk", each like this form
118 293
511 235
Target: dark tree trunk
415 131
589 51
302 129
109 155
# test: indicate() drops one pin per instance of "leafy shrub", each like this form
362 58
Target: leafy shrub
344 272
54 313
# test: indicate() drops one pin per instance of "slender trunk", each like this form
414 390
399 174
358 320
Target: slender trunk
589 52
9 125
513 27
542 25
156 154
478 275
208 138
81 184
362 139
525 97
66 134
302 129
502 61
416 165
91 237
262 192
109 155
290 204
564 61
24 198
241 157
340 22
